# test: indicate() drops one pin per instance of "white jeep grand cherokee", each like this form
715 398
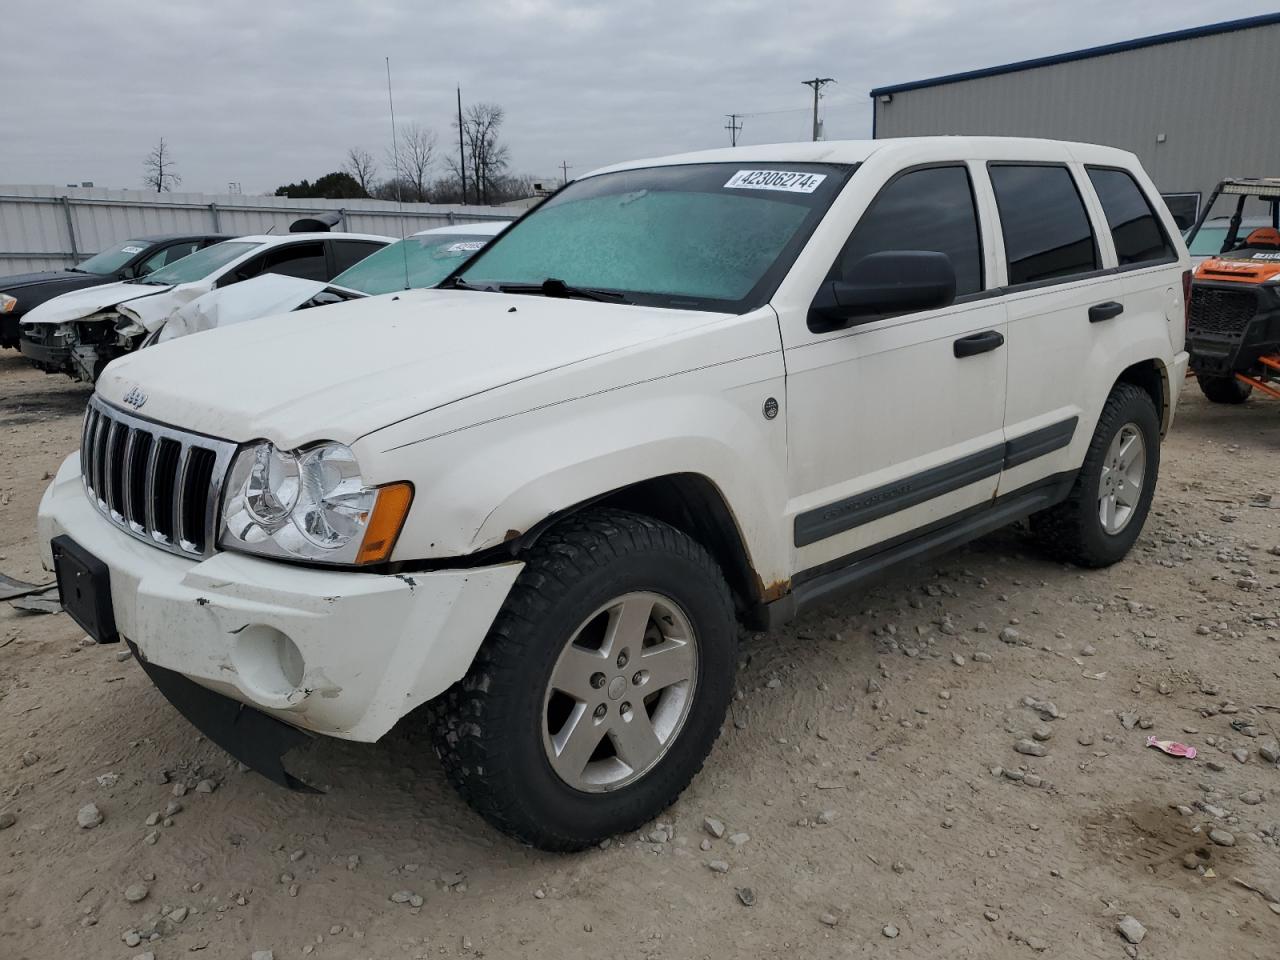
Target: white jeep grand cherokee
681 393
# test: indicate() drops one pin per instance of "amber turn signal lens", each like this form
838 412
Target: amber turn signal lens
389 513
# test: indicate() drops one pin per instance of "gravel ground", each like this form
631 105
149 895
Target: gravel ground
952 765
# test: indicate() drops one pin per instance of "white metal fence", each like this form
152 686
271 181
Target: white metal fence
47 228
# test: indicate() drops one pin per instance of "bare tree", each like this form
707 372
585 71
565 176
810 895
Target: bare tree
413 162
487 159
362 167
159 169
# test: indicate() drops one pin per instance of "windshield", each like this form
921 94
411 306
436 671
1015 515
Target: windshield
110 261
1208 241
430 258
201 263
710 236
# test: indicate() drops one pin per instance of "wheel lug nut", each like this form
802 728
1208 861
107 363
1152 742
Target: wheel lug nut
600 711
622 659
597 680
640 677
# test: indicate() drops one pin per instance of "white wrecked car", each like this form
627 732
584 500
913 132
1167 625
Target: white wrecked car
80 332
421 260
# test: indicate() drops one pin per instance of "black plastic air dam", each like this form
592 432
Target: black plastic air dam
255 739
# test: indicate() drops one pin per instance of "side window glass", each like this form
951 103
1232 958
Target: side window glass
180 250
305 260
1137 233
929 209
250 268
1046 229
347 253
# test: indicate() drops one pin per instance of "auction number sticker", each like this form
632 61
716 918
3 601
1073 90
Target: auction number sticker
466 246
789 181
130 249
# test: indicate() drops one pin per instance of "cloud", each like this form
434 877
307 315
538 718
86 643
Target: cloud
266 93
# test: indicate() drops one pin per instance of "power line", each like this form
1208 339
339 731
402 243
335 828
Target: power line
734 127
817 83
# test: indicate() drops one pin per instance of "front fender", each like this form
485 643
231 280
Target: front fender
478 487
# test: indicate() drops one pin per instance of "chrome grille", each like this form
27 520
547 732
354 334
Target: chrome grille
160 484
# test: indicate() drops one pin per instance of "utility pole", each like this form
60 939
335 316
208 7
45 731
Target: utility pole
462 157
734 127
817 83
564 168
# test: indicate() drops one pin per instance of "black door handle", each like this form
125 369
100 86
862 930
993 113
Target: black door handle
977 343
1105 311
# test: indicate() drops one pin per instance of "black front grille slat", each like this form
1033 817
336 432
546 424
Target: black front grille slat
99 453
159 484
136 478
1214 310
117 439
166 476
196 484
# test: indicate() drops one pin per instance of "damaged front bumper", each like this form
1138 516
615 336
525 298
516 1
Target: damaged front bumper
344 654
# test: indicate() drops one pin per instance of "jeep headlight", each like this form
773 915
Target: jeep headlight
7 303
310 504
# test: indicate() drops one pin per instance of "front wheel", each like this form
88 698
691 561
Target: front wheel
600 688
1224 389
1103 515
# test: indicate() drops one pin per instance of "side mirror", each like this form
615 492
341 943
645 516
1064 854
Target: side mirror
127 273
889 282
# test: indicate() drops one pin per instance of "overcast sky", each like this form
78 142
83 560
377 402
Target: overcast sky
269 92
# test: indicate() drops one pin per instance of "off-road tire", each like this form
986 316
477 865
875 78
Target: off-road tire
487 728
1072 530
1224 389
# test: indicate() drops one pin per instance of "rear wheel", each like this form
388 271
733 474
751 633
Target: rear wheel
1103 515
601 687
1224 389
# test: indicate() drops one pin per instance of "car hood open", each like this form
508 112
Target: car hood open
262 296
352 368
79 304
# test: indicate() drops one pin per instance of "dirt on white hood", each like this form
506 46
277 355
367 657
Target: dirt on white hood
348 369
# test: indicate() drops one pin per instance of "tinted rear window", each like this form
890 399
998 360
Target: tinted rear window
1137 233
1046 229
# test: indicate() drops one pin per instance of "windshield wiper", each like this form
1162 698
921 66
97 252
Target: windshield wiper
555 287
457 283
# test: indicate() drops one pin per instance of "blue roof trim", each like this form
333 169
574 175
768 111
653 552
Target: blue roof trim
1229 26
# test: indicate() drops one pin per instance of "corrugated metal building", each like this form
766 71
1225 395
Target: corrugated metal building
1195 105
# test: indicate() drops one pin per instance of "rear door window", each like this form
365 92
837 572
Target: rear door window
305 260
927 209
1047 235
347 253
1136 230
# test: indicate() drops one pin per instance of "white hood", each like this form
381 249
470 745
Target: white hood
79 304
262 296
150 304
352 368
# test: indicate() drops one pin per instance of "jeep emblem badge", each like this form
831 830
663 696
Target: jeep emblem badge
135 398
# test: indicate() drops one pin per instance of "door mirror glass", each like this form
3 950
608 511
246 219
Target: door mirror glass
883 284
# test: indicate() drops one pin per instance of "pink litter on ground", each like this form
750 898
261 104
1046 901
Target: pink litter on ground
1173 748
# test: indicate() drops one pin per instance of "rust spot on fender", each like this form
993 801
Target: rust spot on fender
511 535
770 592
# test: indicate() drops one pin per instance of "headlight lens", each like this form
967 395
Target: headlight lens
310 504
7 303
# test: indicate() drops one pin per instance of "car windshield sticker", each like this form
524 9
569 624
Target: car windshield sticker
465 246
790 181
130 249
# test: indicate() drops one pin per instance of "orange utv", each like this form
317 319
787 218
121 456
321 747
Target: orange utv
1233 326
